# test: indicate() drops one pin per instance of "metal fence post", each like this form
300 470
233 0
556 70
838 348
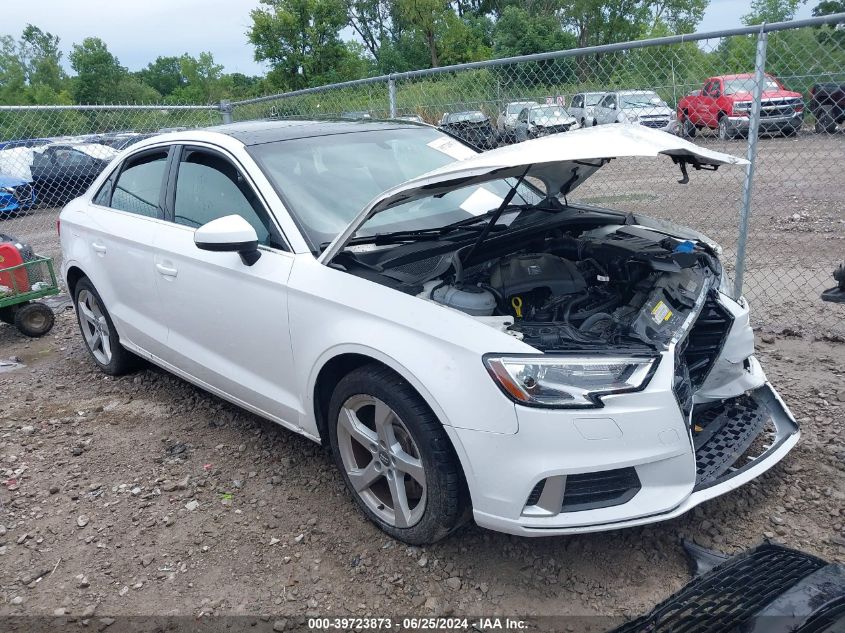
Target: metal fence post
391 95
226 111
748 184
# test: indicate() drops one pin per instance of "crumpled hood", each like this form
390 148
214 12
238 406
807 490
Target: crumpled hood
557 161
649 111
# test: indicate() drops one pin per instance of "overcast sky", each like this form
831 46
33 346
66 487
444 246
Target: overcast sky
139 31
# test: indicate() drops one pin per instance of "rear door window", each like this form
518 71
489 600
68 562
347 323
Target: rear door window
138 186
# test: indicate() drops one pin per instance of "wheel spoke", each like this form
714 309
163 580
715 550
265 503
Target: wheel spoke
401 510
365 477
87 313
95 341
357 431
409 464
105 344
384 424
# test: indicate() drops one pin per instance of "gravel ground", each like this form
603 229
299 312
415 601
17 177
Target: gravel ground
144 495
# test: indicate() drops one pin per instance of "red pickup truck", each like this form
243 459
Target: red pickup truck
725 104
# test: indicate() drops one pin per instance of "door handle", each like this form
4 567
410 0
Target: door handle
166 271
100 249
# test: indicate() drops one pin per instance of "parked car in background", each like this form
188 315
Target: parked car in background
506 122
724 104
413 118
583 106
16 195
28 142
638 107
122 140
61 172
542 120
356 115
466 338
827 105
473 126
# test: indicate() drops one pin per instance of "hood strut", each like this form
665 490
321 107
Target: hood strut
495 217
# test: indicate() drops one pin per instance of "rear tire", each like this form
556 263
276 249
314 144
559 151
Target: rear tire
825 123
688 130
34 319
385 438
725 132
98 332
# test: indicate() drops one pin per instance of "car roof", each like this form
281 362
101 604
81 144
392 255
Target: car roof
270 131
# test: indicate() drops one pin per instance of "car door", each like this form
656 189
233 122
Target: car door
227 321
120 226
577 108
604 111
708 103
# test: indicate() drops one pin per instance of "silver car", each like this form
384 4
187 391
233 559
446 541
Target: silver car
638 107
583 105
506 121
542 120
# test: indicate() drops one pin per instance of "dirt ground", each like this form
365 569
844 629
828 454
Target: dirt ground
144 495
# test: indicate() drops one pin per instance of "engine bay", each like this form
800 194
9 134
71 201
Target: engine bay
602 280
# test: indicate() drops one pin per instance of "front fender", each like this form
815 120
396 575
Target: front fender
437 350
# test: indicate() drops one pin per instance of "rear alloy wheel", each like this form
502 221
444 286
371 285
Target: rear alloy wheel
98 331
34 319
395 457
687 128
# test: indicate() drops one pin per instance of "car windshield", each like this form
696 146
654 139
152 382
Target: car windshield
326 181
466 117
593 99
642 100
548 112
746 85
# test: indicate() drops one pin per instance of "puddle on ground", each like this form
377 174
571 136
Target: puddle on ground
9 365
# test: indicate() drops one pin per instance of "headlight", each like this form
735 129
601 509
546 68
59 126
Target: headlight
568 381
7 189
726 286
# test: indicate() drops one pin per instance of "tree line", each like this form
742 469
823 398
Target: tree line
314 42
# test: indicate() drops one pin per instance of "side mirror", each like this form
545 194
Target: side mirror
229 234
612 106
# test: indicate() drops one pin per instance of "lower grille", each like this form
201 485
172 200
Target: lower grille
534 497
588 491
727 430
654 123
728 597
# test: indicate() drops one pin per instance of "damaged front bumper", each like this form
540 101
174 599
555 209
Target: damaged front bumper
642 457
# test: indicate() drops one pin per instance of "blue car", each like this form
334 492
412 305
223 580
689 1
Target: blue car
16 195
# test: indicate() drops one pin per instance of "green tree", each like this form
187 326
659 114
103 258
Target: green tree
465 39
772 11
426 18
164 74
41 58
97 71
300 38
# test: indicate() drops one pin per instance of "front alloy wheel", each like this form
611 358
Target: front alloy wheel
395 456
725 133
381 460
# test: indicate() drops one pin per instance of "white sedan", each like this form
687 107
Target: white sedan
467 339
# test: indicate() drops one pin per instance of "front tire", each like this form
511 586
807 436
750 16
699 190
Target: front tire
98 332
725 132
395 457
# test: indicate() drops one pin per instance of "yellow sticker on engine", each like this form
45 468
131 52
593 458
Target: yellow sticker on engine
661 313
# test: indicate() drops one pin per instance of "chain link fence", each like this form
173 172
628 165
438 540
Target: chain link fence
774 94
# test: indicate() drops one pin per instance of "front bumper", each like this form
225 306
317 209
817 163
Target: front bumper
767 123
673 475
639 459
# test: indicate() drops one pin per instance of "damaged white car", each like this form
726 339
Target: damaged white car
467 339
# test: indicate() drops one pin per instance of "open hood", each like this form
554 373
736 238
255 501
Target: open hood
561 161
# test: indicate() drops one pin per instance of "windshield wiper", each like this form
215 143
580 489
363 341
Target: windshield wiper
433 233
